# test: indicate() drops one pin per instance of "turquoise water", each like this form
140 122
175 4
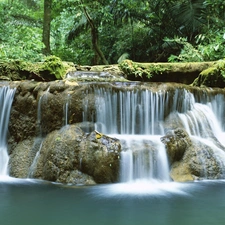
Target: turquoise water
24 202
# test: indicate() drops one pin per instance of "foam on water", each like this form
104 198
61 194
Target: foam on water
143 188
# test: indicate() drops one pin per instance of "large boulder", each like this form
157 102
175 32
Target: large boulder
192 158
70 156
200 161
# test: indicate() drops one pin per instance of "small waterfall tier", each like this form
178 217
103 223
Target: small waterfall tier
143 158
140 115
6 99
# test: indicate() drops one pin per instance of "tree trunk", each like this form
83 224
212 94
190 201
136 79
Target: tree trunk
94 36
47 26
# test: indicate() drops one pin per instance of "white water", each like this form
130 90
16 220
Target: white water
6 99
143 158
65 110
36 148
137 117
203 124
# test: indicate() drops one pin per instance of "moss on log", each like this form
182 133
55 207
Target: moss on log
163 72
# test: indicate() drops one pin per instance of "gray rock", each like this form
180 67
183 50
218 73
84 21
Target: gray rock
176 142
71 156
192 159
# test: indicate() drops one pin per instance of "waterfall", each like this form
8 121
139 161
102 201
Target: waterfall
36 148
65 110
6 99
137 117
143 158
203 122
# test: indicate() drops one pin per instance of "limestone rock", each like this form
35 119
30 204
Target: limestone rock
176 142
71 156
193 159
21 159
46 101
184 73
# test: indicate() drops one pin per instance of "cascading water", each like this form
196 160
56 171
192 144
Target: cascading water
203 123
65 110
137 117
143 158
6 99
36 148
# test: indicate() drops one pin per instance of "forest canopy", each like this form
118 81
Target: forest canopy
108 31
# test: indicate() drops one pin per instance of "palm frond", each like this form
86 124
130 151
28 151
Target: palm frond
189 15
78 28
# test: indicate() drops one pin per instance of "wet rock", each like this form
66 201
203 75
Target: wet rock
199 162
176 142
193 159
91 76
71 156
21 159
39 108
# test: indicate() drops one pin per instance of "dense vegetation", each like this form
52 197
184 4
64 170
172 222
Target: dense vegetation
105 31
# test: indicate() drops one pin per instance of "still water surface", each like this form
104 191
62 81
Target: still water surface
30 202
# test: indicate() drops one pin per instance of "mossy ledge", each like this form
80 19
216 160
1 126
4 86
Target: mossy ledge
163 72
213 76
53 68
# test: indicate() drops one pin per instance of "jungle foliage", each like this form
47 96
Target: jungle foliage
105 31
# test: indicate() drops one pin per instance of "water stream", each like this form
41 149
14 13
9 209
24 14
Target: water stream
36 148
6 99
66 109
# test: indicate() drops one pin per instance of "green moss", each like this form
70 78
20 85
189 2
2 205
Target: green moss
212 77
142 70
53 66
13 70
51 69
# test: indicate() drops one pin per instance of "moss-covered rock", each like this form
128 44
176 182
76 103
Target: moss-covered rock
13 70
163 72
53 68
213 76
139 70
